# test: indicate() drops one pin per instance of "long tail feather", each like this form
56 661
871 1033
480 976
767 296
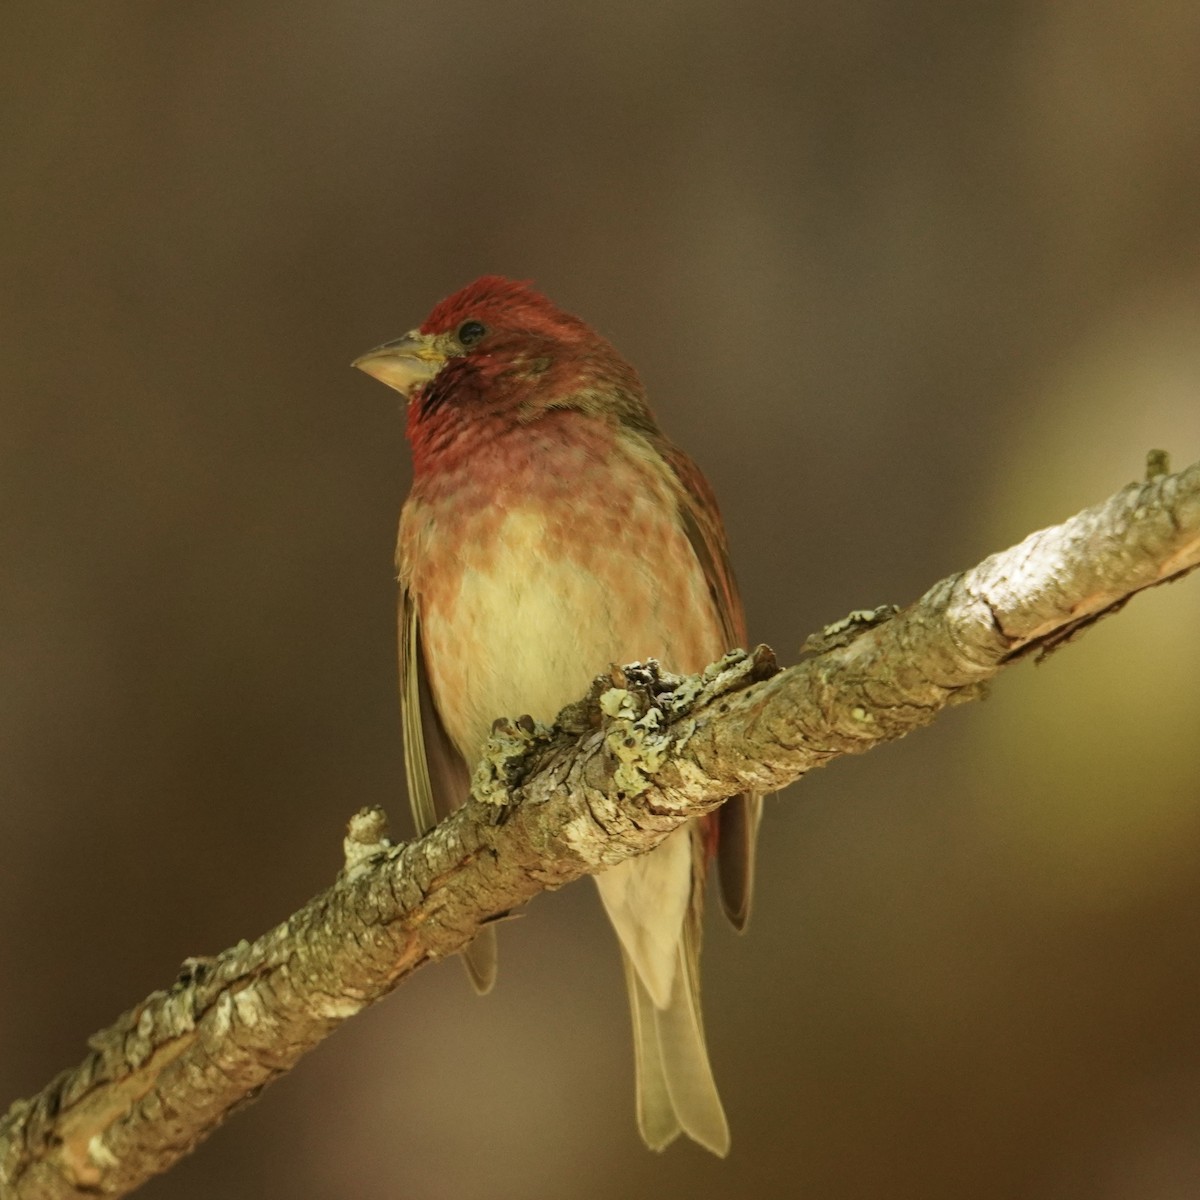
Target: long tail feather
656 1118
676 1091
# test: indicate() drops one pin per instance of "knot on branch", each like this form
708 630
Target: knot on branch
366 838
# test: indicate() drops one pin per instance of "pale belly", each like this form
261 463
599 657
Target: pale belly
537 615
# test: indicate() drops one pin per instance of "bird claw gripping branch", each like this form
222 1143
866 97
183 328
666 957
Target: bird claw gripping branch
642 710
506 760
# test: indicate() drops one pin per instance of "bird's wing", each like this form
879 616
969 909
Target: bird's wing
438 778
438 781
738 818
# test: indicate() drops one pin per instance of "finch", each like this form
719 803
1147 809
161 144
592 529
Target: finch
552 530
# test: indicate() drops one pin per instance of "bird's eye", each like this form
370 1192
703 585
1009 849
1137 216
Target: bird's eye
470 332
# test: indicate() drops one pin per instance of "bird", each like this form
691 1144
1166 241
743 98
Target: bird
551 531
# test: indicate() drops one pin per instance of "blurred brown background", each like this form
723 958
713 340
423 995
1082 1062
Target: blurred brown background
908 280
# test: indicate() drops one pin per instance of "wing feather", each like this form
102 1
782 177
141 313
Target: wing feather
438 778
739 816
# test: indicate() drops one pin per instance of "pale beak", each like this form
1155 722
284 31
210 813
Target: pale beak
406 364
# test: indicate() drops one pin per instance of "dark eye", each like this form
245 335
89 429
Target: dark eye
470 332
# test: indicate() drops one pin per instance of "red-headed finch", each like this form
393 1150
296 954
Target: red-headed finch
551 531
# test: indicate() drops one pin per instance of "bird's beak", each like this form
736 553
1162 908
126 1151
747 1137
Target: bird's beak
406 364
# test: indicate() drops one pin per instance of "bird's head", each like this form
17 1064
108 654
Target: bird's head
500 343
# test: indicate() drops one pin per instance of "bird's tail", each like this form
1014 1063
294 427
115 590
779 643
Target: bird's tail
655 903
676 1092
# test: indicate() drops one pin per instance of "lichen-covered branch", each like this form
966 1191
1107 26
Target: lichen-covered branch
644 752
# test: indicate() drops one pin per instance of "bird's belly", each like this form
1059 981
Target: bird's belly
546 602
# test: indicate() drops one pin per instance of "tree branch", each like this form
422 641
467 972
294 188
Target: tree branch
643 753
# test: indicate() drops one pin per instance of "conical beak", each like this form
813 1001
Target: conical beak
406 364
